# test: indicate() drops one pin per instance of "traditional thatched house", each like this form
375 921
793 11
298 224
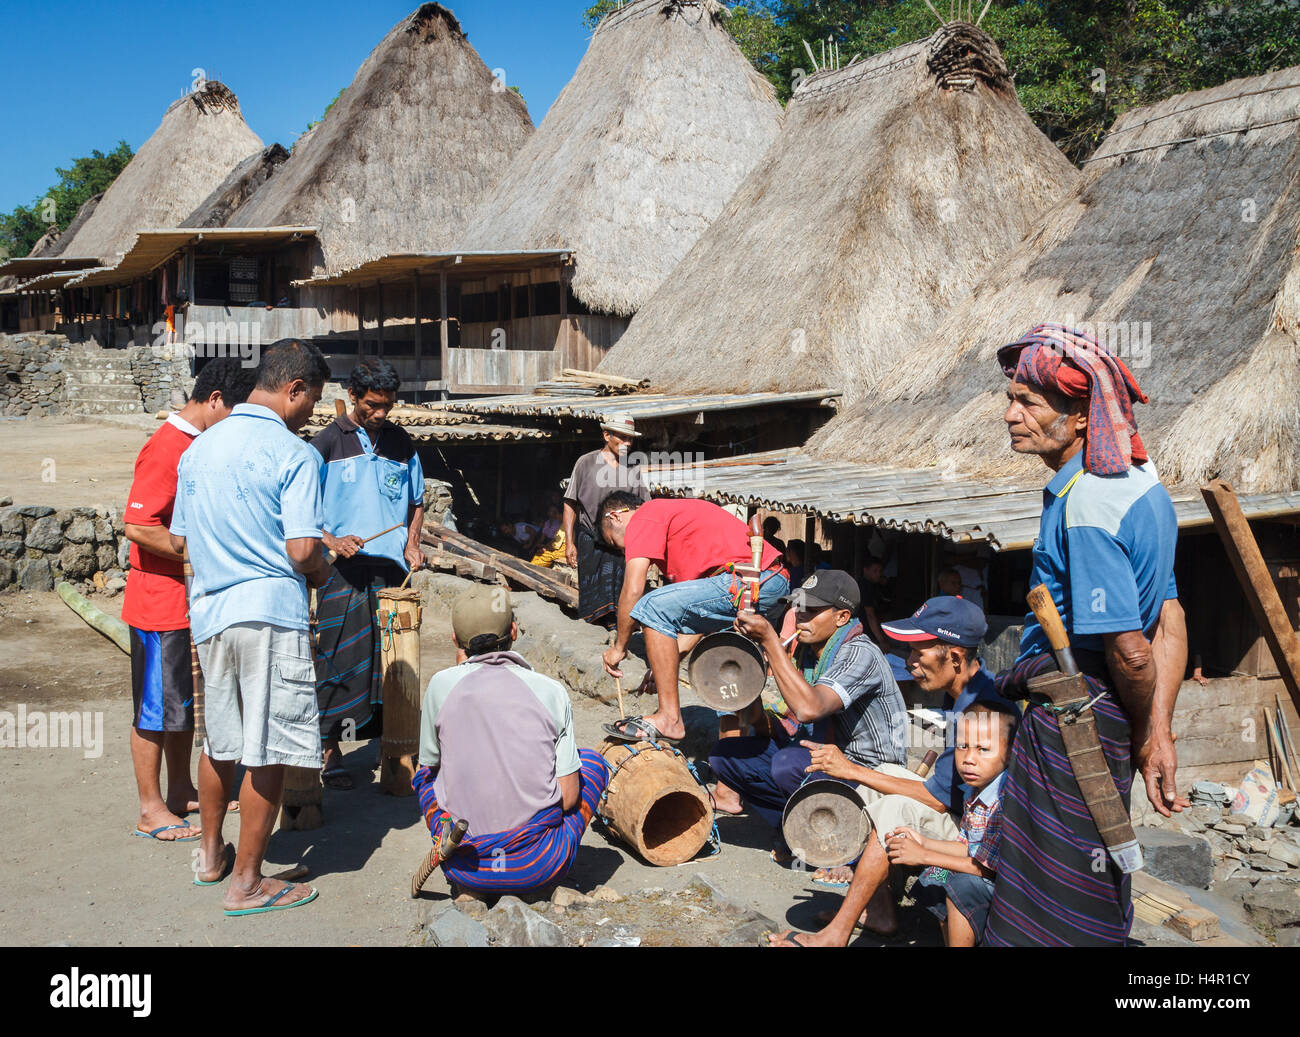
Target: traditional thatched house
662 120
1179 249
408 149
201 139
245 179
896 183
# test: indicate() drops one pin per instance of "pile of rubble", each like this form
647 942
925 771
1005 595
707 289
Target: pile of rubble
699 916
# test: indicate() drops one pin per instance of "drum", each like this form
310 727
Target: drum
399 634
653 803
825 823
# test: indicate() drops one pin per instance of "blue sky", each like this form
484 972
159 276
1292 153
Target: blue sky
78 75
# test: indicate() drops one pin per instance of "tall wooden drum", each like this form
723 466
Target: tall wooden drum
399 642
653 803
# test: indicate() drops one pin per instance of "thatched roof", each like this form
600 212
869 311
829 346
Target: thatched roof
201 139
1187 224
896 182
53 241
407 150
217 208
661 122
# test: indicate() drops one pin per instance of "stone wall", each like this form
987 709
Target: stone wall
164 380
32 374
39 546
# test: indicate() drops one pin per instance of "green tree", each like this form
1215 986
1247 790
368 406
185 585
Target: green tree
57 207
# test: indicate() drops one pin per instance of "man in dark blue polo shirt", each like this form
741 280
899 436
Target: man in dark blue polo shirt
944 635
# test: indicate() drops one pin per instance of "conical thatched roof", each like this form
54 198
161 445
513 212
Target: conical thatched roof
661 122
408 149
201 139
1187 225
217 208
896 183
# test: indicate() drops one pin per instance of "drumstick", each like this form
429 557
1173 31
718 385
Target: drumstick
333 555
618 686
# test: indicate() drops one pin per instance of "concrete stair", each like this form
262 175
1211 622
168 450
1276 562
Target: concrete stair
99 381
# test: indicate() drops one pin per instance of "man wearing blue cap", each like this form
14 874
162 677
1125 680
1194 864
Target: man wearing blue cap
944 635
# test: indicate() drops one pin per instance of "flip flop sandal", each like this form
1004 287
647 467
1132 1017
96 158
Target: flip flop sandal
272 905
830 884
621 730
792 940
227 866
168 828
335 777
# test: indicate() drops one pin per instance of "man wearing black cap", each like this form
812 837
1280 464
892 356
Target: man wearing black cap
944 635
835 680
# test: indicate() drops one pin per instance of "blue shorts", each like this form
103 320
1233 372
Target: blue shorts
972 895
702 606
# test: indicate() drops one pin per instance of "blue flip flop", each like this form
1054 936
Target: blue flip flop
828 884
168 828
271 904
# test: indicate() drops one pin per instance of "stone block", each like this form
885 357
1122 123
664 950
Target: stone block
453 929
1177 857
45 535
80 531
565 897
513 924
77 561
35 511
1276 905
1284 852
11 522
106 556
34 575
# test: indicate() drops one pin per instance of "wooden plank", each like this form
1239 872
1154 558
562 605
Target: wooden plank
1162 904
1256 581
443 333
544 581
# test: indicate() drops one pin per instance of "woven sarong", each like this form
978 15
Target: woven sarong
526 858
1056 884
600 576
349 688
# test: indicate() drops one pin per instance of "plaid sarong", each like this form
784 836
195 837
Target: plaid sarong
525 858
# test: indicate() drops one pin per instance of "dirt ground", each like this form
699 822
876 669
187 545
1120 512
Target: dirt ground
73 872
64 463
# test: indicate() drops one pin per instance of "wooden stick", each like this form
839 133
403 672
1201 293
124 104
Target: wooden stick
1288 742
339 409
618 686
1253 575
1275 739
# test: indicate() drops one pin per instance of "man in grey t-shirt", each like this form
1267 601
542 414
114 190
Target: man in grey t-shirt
595 476
497 751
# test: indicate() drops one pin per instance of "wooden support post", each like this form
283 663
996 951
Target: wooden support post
419 345
1252 574
379 303
567 359
361 328
445 340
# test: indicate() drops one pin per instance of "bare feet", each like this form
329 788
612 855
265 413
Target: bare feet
151 820
212 869
239 899
787 939
183 801
726 800
841 875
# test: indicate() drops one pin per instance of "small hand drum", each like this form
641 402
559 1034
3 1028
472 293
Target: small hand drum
727 670
825 823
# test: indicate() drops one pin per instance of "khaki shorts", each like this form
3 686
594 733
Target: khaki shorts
260 697
890 812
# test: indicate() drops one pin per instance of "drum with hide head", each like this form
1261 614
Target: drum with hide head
825 823
727 670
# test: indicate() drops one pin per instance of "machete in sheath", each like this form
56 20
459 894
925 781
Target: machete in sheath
1067 691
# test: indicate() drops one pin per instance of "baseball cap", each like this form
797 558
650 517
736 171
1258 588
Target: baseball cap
824 587
483 614
954 620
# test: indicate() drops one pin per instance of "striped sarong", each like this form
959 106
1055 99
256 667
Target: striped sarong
1056 884
526 858
349 686
600 577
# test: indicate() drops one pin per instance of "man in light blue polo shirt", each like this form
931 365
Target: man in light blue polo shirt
248 511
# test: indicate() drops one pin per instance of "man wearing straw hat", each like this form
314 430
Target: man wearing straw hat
595 477
497 750
371 482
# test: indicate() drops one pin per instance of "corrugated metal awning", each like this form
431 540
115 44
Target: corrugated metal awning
640 406
35 266
152 248
402 265
1004 515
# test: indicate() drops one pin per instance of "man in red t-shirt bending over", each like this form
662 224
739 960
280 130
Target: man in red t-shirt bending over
154 607
696 545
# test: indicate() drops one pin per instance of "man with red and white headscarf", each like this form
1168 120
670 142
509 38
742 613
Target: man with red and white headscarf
1105 550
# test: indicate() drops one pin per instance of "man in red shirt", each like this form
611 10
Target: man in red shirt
696 545
154 607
